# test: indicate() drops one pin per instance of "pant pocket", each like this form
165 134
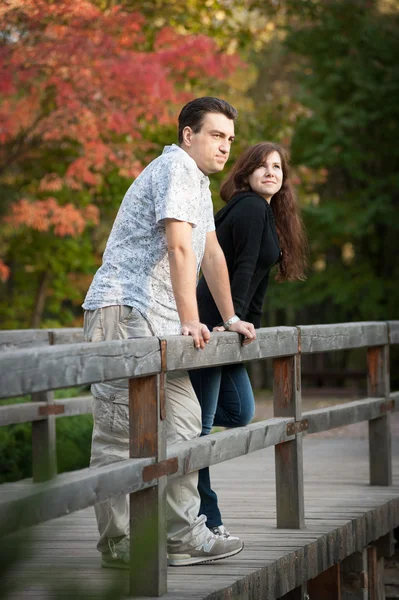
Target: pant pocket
120 420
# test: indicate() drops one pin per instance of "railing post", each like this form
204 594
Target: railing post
380 428
148 557
44 456
289 455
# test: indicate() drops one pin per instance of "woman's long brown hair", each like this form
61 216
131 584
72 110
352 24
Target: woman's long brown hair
292 237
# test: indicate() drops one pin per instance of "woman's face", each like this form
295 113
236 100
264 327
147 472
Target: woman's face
267 179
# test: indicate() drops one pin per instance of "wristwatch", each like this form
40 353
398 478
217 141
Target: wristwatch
230 322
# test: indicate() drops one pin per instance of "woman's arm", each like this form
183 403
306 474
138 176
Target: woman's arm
254 311
248 225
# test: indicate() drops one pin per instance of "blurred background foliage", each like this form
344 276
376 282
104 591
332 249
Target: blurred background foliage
321 78
90 93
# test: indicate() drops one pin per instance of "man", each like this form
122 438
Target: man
163 234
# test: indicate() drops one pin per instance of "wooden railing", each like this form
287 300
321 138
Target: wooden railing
36 362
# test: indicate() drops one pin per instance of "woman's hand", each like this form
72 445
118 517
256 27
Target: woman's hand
246 330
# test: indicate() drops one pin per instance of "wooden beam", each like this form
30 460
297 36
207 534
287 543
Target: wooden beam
342 336
299 593
148 556
63 335
226 348
327 585
46 368
289 455
49 368
385 545
25 504
321 419
16 339
11 414
76 490
357 411
44 454
380 451
393 331
354 577
375 575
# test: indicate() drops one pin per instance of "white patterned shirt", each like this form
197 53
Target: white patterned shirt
135 269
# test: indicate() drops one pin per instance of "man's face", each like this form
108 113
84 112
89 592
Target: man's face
210 147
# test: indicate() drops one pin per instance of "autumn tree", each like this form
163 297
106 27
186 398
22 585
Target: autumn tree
80 88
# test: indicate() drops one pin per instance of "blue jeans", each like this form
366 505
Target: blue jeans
226 399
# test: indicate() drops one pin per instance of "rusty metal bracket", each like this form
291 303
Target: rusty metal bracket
51 409
162 380
387 406
297 427
165 467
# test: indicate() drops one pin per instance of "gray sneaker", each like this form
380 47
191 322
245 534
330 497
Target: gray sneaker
118 555
221 531
214 548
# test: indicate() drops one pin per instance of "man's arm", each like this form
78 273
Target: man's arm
183 273
216 274
215 271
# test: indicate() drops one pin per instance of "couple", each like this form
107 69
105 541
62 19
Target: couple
147 286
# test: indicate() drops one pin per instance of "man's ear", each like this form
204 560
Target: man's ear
187 135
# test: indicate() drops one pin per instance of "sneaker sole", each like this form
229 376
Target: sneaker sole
199 560
115 565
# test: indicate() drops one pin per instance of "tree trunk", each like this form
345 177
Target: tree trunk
40 300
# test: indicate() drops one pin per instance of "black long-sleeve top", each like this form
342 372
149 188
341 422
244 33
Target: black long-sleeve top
246 231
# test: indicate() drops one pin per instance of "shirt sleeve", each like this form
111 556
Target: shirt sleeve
176 192
210 215
247 233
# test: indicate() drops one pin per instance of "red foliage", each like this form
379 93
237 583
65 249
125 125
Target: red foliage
43 215
4 272
71 73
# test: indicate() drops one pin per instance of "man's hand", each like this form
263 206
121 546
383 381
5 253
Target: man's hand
242 327
198 331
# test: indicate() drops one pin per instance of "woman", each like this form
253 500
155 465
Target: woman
258 228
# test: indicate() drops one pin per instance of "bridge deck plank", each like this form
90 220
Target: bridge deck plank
337 497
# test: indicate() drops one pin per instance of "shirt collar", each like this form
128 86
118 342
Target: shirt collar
175 148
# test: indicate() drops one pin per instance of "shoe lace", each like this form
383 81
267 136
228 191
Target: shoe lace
220 531
120 550
111 546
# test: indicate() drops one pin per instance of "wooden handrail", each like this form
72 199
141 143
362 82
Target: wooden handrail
31 365
46 368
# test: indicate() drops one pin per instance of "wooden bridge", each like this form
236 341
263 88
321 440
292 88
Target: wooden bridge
319 528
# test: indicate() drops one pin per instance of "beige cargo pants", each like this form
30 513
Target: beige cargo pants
110 442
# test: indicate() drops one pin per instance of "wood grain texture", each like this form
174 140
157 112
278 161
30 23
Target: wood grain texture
148 506
288 455
54 367
71 335
342 512
342 336
29 504
77 490
327 585
375 575
225 348
192 455
319 420
378 384
354 577
16 339
393 329
44 457
30 411
323 419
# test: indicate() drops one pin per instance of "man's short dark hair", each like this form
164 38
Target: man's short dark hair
192 114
